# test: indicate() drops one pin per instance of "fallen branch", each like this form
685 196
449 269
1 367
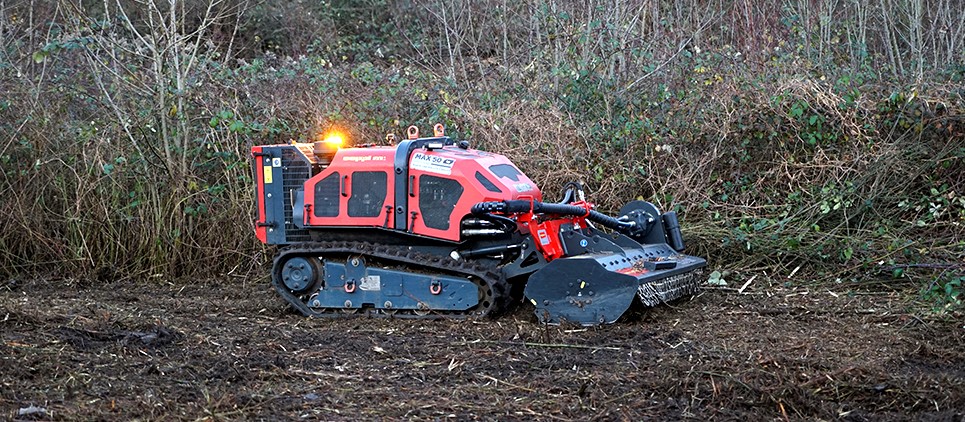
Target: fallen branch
497 381
748 283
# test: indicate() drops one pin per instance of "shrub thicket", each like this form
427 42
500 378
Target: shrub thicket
823 137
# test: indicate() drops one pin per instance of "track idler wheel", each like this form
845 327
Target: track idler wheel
301 275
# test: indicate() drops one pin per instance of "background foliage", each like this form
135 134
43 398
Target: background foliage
823 138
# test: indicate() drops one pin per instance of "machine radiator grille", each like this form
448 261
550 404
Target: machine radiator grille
296 171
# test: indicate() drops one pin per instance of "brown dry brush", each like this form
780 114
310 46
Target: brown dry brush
772 203
786 136
109 175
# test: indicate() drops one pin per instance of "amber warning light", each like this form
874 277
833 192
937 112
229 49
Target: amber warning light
334 139
327 145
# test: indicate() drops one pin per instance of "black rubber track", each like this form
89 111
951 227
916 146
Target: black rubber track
397 257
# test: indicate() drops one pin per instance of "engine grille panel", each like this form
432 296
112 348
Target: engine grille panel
295 171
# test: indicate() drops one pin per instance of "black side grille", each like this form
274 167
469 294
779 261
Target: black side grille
327 194
296 170
368 193
490 186
437 198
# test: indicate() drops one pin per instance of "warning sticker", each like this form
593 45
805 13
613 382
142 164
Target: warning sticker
523 187
267 171
371 283
431 163
544 238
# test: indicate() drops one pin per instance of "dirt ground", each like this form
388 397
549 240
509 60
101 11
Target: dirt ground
230 350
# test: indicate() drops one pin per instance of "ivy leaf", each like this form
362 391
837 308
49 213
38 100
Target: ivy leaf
716 279
40 55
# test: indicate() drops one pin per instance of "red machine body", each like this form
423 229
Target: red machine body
432 228
433 176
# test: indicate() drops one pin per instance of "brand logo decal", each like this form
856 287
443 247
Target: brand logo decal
431 163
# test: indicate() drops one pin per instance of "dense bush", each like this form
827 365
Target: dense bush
792 137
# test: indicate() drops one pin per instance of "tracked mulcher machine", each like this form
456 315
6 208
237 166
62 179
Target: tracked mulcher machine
431 228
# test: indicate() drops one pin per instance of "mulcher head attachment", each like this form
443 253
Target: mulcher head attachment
597 288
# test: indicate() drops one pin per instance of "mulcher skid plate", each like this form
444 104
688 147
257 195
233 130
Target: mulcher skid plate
597 288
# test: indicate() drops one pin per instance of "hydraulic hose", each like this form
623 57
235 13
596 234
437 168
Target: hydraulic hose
522 206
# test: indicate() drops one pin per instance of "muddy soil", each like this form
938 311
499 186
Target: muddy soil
231 350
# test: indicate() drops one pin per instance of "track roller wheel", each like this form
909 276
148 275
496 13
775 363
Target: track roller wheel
423 310
388 309
348 309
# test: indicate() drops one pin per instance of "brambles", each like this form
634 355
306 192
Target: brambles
946 294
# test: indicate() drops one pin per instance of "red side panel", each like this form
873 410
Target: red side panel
473 171
259 171
352 166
